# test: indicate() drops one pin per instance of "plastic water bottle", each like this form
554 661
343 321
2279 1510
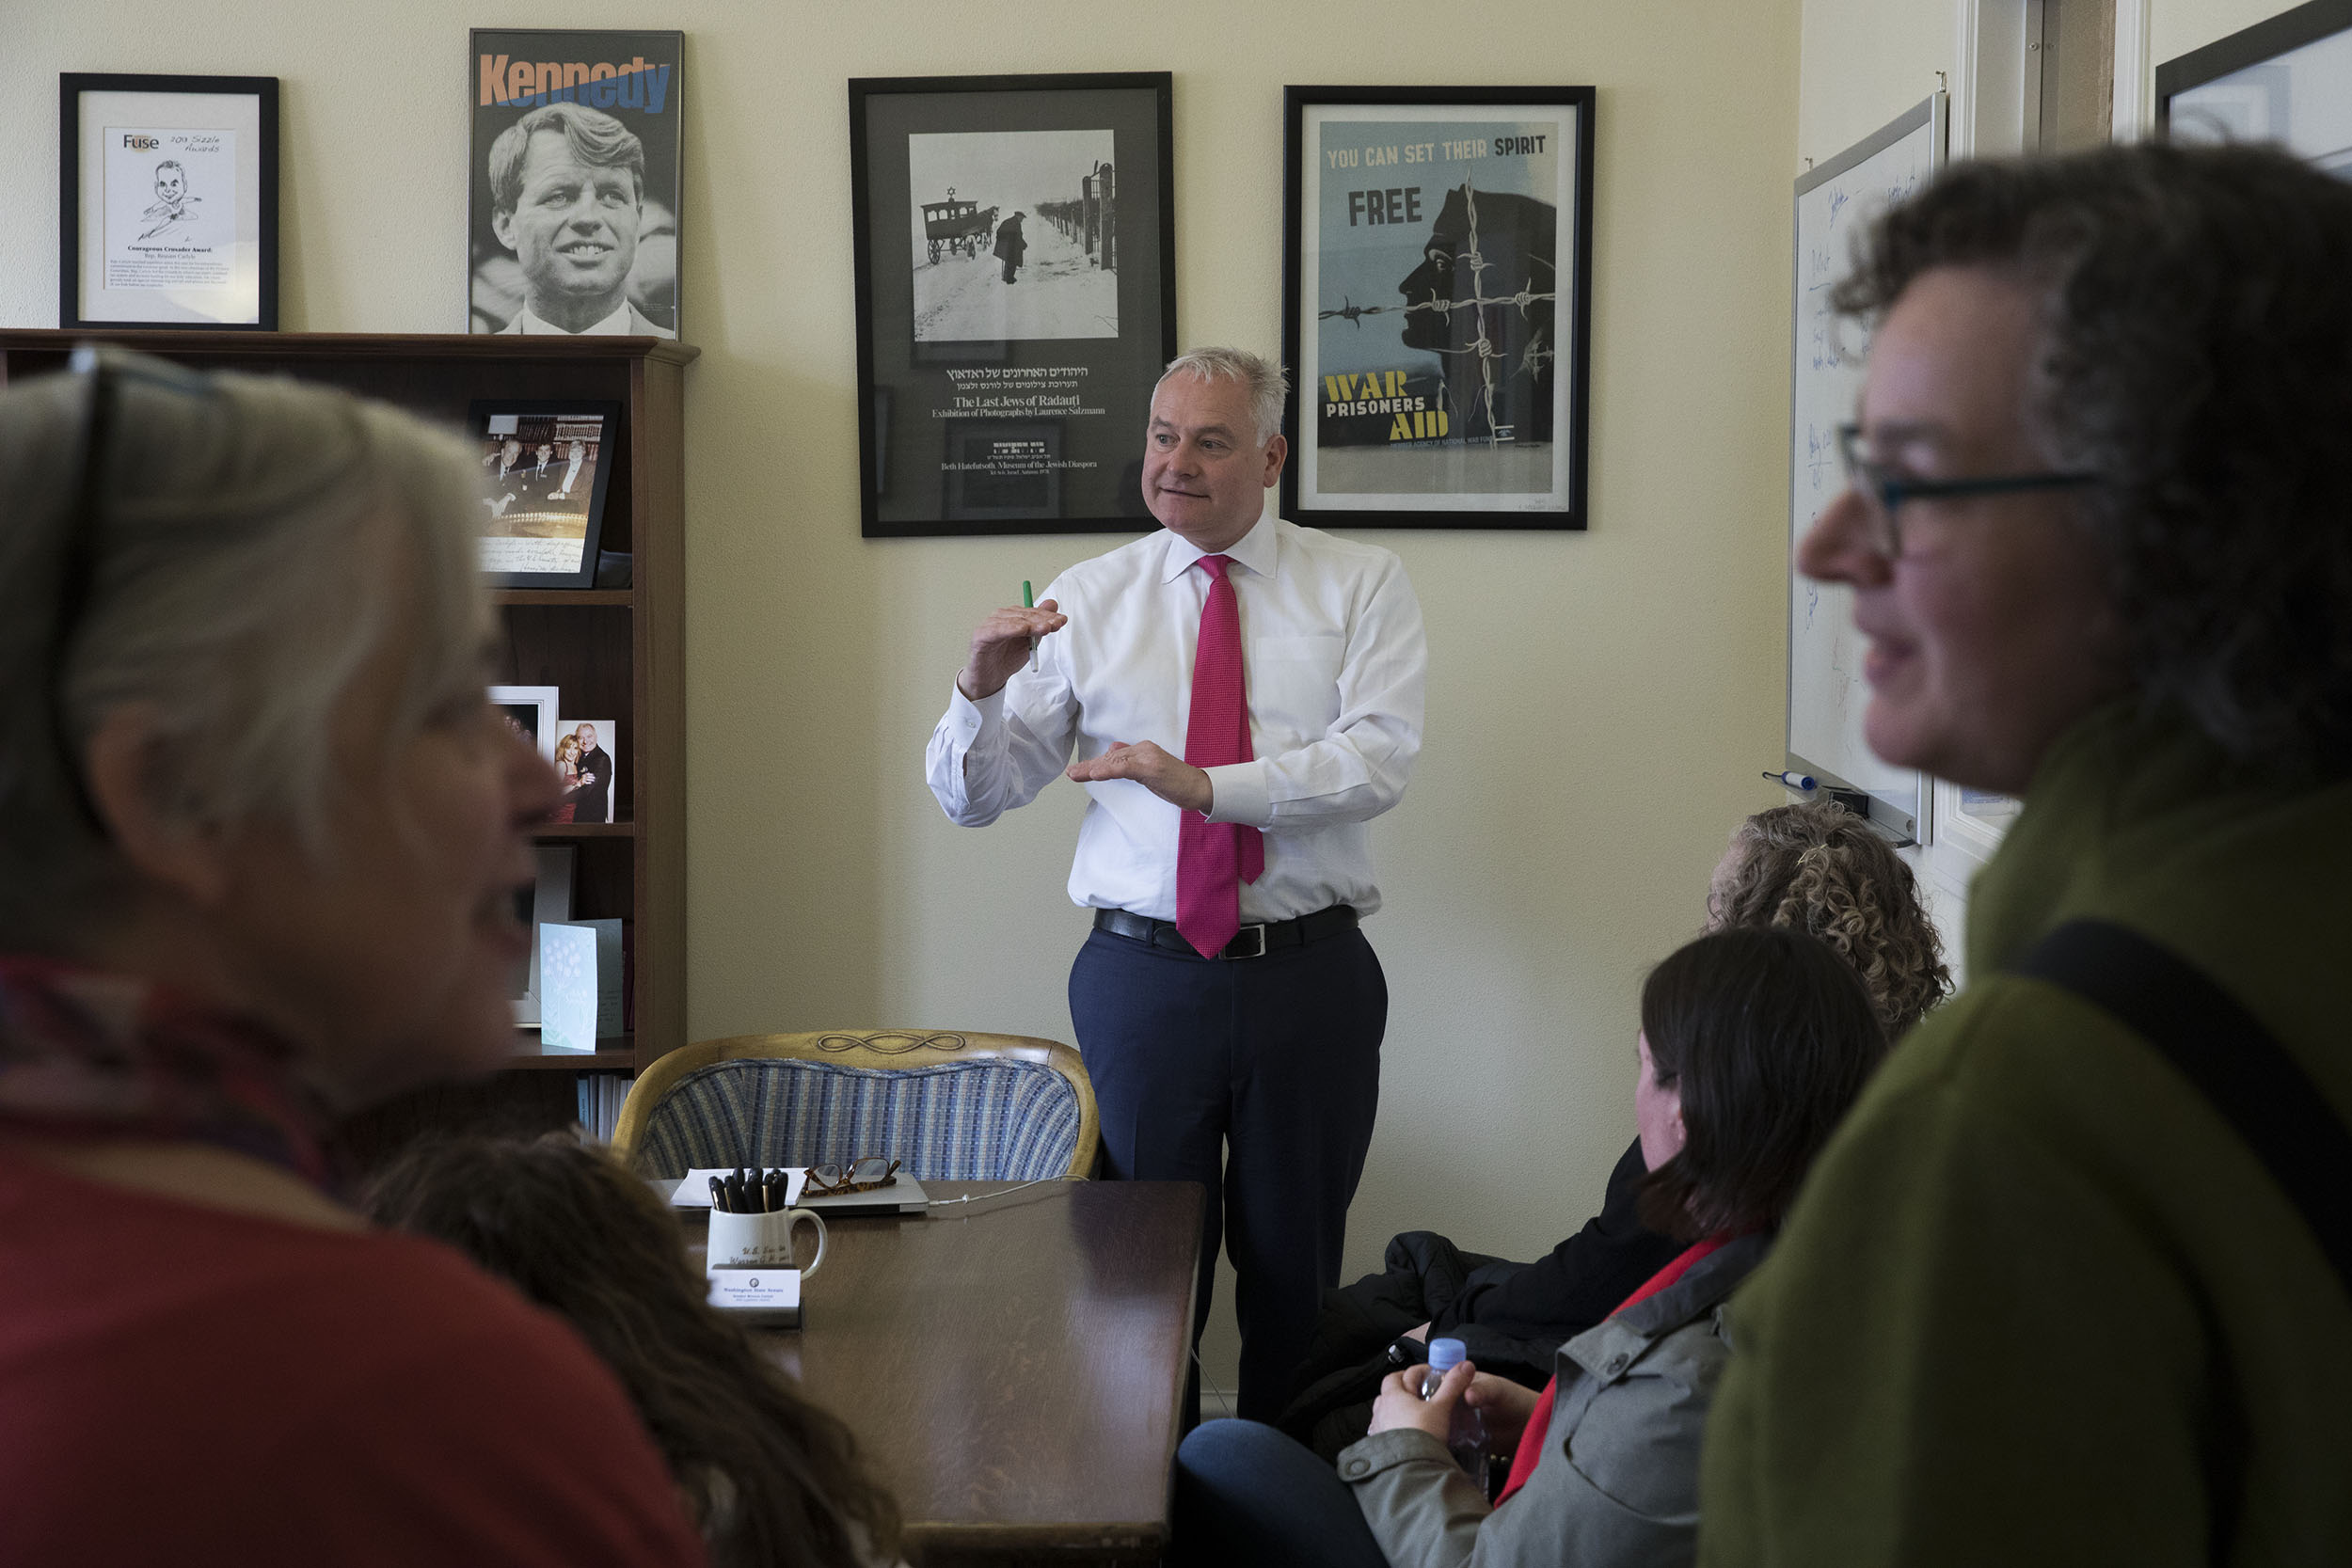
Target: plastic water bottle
1467 1439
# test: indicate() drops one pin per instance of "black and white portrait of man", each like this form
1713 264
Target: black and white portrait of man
568 198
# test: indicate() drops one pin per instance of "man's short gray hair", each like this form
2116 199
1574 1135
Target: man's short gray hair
1262 378
253 542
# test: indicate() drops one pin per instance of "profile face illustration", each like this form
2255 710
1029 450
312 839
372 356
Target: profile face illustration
1481 301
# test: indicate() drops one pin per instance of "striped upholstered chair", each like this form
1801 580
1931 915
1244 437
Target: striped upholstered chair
953 1106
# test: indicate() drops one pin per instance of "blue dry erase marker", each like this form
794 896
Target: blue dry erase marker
1794 781
1030 602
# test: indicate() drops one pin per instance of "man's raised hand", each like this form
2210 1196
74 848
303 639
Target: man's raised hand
1000 645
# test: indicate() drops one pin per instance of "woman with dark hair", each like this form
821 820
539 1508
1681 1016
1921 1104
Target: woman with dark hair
1753 1045
1811 866
773 1481
2045 1300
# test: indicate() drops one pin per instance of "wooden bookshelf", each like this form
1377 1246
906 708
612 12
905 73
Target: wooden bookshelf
616 653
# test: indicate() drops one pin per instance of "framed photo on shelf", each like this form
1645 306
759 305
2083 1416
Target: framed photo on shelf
167 202
546 466
1437 297
587 754
548 900
1016 298
573 221
532 710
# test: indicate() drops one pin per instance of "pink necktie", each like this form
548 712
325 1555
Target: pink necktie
1213 859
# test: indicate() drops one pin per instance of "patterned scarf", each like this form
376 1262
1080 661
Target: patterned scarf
107 1056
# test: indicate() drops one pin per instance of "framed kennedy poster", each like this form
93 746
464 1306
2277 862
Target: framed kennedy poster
1016 298
573 219
1437 299
167 202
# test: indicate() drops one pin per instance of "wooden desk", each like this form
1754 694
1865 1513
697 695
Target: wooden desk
1013 1368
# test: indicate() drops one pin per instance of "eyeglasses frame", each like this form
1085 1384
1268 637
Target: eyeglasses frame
1889 493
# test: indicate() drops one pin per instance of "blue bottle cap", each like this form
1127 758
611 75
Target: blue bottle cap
1446 1352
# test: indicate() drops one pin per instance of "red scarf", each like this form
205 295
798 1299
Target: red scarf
107 1056
1531 1440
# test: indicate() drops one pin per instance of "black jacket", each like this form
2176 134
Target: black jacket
1578 1282
1511 1317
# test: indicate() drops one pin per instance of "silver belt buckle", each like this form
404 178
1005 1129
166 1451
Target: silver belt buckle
1229 952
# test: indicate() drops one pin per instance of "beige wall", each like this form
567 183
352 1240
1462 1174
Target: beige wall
1864 61
1598 705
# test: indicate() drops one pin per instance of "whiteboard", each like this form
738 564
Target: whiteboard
1827 693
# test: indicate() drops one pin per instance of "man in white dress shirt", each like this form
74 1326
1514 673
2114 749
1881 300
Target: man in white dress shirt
1228 1009
568 192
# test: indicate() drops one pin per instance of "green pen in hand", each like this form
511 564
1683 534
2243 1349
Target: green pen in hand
1030 602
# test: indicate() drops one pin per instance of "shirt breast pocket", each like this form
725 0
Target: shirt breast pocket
1295 688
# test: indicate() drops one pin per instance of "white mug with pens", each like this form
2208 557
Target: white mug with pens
750 1224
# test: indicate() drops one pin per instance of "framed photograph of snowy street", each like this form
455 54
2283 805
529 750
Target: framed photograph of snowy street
1437 295
1016 298
167 202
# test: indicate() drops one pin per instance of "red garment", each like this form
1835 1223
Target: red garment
1213 859
179 1384
1532 1441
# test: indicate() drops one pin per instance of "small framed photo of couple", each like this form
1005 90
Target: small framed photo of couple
171 201
587 754
547 465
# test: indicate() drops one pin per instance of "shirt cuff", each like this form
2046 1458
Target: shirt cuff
968 718
1382 1450
1238 793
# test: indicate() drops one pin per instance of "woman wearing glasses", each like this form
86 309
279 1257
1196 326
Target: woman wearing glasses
259 837
1754 1042
2060 1292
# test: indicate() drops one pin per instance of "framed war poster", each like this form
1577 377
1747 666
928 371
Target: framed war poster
1016 298
1437 296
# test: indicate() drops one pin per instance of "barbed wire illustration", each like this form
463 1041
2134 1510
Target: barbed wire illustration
1538 352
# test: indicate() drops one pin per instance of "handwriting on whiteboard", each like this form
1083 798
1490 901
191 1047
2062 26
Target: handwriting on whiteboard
1827 692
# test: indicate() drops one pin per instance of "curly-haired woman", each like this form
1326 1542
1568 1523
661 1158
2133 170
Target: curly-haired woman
1817 867
2045 1300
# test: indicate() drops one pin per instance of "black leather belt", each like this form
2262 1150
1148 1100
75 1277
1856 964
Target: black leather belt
1250 942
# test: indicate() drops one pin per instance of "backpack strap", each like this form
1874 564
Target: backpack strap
2225 1051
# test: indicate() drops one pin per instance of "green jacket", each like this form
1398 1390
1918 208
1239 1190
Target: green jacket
2038 1304
1617 1485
